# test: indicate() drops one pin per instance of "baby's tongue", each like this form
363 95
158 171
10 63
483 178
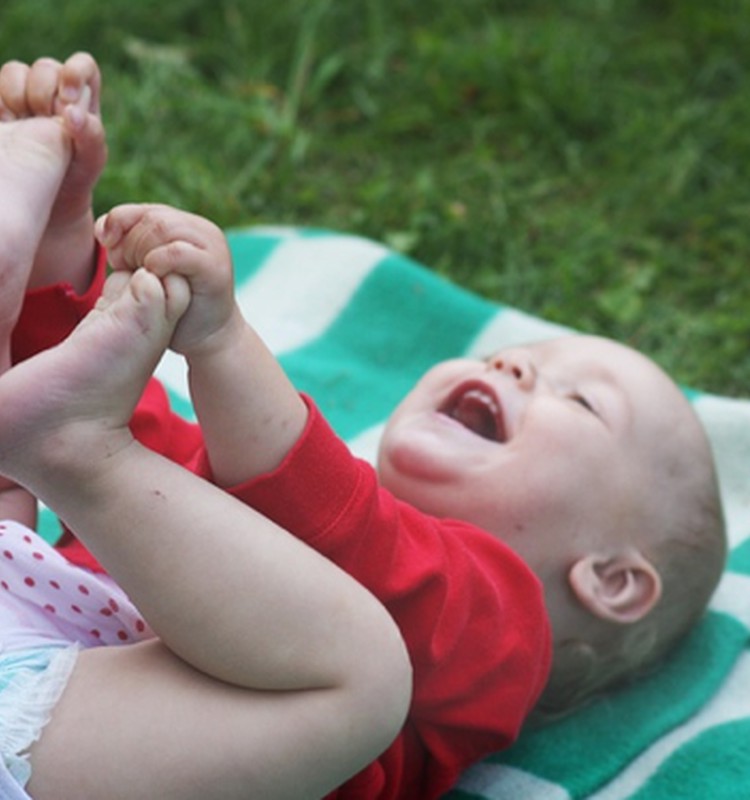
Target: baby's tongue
474 412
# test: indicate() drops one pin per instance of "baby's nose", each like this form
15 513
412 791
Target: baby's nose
517 363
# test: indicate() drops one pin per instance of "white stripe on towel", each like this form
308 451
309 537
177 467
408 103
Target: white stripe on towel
304 285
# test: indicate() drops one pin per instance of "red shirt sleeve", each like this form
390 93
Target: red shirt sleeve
471 612
49 314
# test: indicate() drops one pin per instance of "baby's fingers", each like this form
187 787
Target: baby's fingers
107 232
132 232
124 232
177 257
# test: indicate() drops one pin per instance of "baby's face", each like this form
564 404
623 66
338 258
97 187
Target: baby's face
546 445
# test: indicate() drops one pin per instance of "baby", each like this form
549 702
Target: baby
264 670
543 524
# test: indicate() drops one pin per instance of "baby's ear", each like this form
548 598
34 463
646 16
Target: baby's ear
621 588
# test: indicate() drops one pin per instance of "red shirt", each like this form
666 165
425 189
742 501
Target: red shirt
470 611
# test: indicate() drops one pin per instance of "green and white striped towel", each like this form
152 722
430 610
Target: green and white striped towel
355 325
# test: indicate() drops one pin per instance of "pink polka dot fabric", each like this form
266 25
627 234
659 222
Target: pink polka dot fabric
44 599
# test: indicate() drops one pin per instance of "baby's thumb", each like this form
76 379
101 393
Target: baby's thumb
177 290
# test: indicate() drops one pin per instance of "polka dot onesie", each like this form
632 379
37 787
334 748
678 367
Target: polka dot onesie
49 608
46 600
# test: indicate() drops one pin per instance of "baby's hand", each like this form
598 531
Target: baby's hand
166 240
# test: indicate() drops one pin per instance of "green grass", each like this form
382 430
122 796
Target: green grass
586 161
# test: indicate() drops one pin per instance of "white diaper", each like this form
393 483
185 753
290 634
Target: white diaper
31 683
49 610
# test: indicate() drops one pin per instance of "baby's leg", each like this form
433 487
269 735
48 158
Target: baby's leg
71 404
297 675
72 88
138 723
34 156
64 436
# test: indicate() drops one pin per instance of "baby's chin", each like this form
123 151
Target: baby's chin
414 460
414 481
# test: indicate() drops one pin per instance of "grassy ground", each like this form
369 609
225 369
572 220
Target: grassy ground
587 161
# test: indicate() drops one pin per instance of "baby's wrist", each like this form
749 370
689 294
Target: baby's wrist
214 343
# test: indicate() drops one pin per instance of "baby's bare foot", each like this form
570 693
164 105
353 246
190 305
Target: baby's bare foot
34 156
70 89
66 410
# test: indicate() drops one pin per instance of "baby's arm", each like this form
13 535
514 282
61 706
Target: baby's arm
249 412
291 676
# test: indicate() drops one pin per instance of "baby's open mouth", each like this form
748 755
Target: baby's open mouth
477 408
